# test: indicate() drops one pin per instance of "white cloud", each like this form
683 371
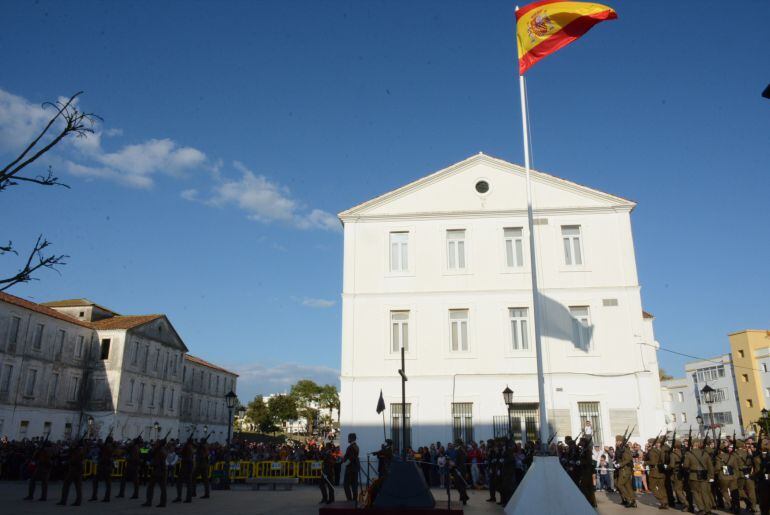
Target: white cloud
190 194
317 303
266 201
262 379
20 121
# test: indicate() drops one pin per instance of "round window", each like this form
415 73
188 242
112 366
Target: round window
482 186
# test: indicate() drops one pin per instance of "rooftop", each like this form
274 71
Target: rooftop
40 308
203 362
73 303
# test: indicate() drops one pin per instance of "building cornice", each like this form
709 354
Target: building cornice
513 213
489 292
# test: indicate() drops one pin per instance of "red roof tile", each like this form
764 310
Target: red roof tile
38 308
124 321
205 363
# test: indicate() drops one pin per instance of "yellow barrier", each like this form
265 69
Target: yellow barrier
118 466
241 470
309 470
89 468
275 469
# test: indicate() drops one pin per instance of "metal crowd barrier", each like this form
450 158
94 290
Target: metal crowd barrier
239 470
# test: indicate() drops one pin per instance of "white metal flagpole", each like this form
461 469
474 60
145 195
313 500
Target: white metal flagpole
544 430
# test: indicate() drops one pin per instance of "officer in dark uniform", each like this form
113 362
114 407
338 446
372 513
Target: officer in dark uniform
42 460
158 474
74 475
384 457
327 474
457 472
507 473
131 469
350 483
103 471
586 467
185 472
493 469
201 469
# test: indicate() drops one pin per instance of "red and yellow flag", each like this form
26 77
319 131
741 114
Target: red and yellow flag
544 27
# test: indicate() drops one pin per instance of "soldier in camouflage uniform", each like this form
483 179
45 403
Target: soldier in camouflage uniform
624 462
656 460
701 475
727 468
746 487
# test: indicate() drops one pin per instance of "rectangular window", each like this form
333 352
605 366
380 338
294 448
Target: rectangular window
157 358
745 378
673 417
29 389
524 421
680 396
131 384
462 421
723 418
399 331
13 330
105 350
458 320
37 341
135 359
519 328
141 395
396 420
764 367
573 251
767 392
53 385
171 401
684 417
589 412
741 354
46 429
514 247
146 356
456 249
79 347
67 430
749 403
61 335
399 252
5 385
581 327
74 389
23 427
162 397
152 396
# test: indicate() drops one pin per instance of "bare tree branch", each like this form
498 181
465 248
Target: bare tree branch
35 261
76 122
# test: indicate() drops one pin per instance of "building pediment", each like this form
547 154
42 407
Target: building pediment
454 191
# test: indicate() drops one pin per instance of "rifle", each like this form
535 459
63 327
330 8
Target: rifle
166 436
689 439
551 439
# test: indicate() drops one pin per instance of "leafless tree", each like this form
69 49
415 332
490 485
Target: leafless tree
68 120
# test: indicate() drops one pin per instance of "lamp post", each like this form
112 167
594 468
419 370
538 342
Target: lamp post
240 413
707 394
508 398
699 420
764 420
230 400
156 426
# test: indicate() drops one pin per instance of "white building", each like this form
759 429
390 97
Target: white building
762 357
685 406
440 266
71 366
203 400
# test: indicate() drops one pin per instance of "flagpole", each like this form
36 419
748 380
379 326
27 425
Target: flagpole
533 265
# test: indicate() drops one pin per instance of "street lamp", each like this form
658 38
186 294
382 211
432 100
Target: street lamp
707 394
765 421
508 398
230 400
156 426
240 413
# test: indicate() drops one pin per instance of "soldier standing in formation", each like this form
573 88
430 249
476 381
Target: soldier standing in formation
350 483
201 469
456 470
42 460
103 471
746 487
185 472
131 469
726 475
327 474
624 462
762 474
158 475
586 467
74 475
701 475
494 458
656 460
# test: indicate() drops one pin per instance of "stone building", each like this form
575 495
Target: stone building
203 399
67 367
440 267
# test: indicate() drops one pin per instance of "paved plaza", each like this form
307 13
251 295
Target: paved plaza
300 501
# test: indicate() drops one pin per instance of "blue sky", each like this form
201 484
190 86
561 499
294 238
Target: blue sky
234 132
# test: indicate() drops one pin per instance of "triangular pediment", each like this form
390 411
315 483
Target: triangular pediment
453 190
160 330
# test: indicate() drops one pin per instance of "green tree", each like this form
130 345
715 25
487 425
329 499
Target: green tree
663 375
282 408
306 395
257 412
328 398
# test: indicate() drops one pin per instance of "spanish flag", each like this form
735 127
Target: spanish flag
544 27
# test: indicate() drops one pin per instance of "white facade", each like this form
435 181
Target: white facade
684 404
443 269
203 400
763 361
67 367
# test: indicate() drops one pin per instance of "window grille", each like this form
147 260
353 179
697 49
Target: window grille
462 421
589 411
396 419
